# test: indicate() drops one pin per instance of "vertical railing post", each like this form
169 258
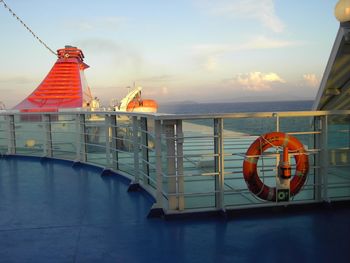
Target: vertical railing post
144 151
318 161
108 139
169 131
324 163
136 147
46 118
180 165
77 137
219 163
113 123
277 121
11 135
81 138
159 174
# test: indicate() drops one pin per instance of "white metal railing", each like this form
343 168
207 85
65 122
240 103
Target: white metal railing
189 162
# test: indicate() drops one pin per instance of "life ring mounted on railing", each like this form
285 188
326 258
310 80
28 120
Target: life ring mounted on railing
275 139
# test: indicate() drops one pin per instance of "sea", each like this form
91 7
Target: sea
253 126
234 107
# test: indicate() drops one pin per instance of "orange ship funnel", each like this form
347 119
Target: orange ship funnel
63 87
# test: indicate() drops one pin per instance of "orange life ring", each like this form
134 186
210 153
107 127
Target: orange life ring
274 139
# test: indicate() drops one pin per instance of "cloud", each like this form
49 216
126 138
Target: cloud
15 88
97 23
17 80
256 81
211 63
100 45
263 42
311 80
262 11
120 54
156 92
159 78
164 90
208 54
255 43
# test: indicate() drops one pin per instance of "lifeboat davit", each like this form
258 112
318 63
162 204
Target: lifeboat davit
135 103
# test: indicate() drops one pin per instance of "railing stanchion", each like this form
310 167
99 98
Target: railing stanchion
180 165
277 122
318 161
81 137
324 164
77 137
113 123
144 151
219 163
46 118
157 208
11 135
135 142
108 139
169 131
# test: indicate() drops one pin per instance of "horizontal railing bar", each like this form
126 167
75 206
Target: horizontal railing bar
304 133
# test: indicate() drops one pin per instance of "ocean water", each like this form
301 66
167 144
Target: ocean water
235 107
252 126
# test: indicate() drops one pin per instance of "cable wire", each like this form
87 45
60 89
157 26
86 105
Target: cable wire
30 31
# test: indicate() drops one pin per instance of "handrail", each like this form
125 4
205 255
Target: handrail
166 116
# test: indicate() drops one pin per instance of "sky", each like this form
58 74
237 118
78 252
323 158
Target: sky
179 50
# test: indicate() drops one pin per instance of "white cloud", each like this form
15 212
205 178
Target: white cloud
208 54
17 80
164 90
263 42
120 55
311 80
155 92
211 63
97 23
157 78
99 45
262 11
256 81
255 43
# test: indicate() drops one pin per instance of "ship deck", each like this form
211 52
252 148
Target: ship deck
52 211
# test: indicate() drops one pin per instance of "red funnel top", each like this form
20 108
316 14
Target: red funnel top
63 86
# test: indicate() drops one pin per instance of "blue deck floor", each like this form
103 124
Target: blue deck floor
50 212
